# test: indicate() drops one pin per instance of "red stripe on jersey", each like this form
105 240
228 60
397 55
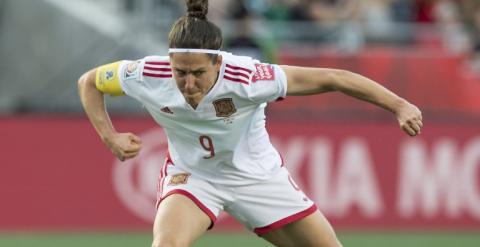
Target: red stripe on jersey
237 73
238 68
158 63
235 79
157 75
158 69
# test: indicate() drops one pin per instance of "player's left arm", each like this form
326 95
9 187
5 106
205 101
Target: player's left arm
308 81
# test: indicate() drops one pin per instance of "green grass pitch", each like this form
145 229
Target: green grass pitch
215 239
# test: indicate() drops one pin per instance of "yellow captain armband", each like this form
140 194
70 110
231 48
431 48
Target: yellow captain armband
107 79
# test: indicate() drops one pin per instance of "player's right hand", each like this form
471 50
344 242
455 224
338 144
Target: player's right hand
124 145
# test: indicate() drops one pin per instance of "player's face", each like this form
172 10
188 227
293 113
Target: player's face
195 74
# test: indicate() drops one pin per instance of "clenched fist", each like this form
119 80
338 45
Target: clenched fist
124 145
410 119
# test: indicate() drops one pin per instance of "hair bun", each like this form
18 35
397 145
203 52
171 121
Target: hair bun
197 9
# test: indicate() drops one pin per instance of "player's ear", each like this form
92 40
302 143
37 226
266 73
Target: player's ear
218 62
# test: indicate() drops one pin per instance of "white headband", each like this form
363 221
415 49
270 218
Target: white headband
176 50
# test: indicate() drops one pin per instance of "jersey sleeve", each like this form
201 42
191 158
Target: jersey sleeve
131 80
269 83
119 78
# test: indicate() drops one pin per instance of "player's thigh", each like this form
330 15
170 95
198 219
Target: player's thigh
179 222
311 231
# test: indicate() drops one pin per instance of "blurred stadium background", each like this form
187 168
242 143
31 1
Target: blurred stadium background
61 187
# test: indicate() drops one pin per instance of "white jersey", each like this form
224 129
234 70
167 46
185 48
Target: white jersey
224 139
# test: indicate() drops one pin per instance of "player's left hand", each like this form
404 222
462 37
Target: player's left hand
410 119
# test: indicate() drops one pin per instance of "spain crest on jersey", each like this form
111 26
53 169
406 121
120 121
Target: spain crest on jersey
224 107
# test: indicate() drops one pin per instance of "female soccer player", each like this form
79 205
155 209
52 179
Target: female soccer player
211 105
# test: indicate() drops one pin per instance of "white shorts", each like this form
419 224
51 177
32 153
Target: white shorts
261 207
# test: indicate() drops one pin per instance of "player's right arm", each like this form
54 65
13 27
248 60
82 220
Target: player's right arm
91 87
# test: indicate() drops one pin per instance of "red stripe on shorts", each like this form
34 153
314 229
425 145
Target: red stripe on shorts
197 202
161 179
292 218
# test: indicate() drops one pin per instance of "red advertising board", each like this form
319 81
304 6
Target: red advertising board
56 174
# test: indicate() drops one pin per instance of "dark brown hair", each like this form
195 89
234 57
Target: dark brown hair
193 30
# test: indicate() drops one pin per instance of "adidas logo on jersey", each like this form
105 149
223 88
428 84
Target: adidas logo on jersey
166 110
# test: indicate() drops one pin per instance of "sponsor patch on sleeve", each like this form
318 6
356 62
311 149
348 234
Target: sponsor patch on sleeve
131 70
263 72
